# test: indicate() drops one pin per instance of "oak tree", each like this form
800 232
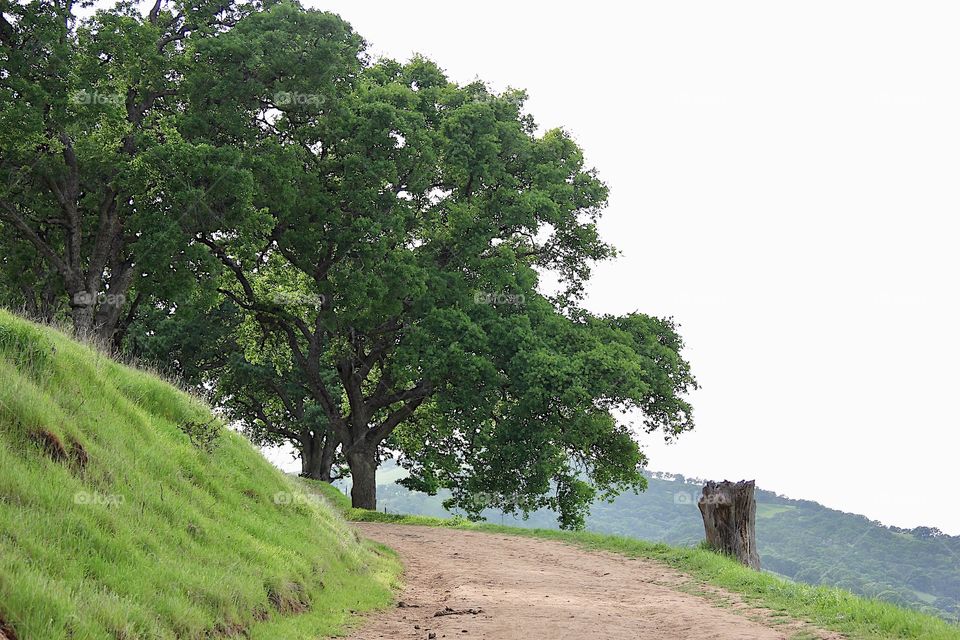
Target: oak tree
404 226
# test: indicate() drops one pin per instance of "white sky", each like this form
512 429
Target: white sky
784 182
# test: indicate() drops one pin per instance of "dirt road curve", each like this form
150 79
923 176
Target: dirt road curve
501 587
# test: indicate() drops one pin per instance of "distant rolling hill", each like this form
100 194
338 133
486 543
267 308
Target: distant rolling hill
799 539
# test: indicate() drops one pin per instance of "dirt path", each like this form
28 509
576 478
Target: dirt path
486 585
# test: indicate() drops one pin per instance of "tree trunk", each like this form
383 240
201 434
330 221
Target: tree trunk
328 456
363 471
316 457
729 520
82 313
311 463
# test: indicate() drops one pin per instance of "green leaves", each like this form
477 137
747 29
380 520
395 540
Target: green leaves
106 189
334 244
541 424
421 214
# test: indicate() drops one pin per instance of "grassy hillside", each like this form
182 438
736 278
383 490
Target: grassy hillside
127 511
799 539
825 607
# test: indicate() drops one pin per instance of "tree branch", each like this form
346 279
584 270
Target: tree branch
379 433
257 409
9 213
421 390
154 12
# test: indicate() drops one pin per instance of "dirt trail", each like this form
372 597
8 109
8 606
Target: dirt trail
495 586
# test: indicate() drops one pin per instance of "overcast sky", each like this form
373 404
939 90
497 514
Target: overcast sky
785 182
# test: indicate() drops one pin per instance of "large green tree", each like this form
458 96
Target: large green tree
87 106
403 226
277 71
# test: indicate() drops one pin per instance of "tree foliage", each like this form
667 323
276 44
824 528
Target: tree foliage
352 252
89 109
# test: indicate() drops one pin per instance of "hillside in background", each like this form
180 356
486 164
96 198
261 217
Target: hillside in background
799 539
127 511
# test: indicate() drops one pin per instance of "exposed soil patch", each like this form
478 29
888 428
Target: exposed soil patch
6 631
78 456
51 444
470 584
73 453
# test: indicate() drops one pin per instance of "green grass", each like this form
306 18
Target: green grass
825 607
770 510
115 525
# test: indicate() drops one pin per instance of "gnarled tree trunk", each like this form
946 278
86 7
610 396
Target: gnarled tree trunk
729 519
317 454
363 472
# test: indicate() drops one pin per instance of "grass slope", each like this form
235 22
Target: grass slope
825 607
115 524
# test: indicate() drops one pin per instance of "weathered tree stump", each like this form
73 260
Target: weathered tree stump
729 519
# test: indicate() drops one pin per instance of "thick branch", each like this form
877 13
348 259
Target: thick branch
9 213
421 390
281 393
154 12
380 432
231 264
107 230
257 409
